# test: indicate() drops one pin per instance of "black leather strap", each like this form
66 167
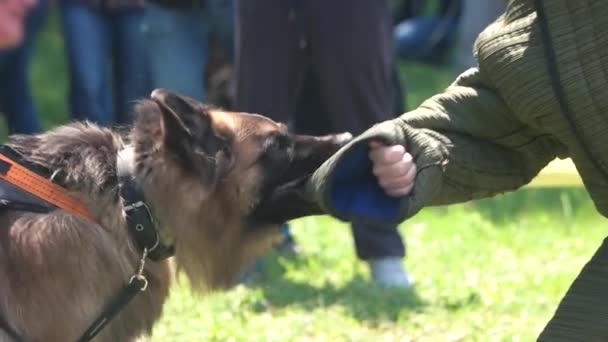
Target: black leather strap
141 223
121 300
12 197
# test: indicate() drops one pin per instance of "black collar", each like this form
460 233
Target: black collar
140 221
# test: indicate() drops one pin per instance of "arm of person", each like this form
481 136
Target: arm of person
465 144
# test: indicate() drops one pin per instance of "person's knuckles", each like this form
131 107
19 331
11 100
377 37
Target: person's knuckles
386 169
376 155
390 154
400 192
380 170
397 183
400 149
404 167
411 173
407 158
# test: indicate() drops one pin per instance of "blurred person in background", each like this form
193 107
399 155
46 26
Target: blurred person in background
16 101
323 66
476 15
424 36
179 38
107 60
12 16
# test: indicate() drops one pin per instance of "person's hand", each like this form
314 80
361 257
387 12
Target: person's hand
394 168
12 17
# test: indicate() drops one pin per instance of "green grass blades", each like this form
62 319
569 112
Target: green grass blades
492 270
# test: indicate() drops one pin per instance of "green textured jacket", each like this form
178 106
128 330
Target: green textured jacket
540 91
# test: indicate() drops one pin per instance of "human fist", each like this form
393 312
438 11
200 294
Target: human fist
394 167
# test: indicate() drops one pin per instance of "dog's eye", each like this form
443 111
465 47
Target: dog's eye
226 150
277 143
275 150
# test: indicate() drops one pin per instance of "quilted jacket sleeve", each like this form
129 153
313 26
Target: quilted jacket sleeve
466 143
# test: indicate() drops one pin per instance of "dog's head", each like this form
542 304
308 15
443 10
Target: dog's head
226 177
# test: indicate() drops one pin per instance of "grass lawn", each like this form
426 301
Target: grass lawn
487 271
493 270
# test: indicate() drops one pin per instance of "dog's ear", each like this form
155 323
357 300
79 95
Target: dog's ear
184 123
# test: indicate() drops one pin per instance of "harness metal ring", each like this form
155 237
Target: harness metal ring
142 278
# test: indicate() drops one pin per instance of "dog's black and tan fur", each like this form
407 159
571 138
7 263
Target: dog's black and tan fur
217 182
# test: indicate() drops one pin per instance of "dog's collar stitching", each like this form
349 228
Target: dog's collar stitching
140 221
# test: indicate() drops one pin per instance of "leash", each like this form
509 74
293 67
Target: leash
138 283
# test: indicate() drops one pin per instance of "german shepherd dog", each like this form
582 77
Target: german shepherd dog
218 184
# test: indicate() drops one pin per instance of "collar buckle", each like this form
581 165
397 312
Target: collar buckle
141 223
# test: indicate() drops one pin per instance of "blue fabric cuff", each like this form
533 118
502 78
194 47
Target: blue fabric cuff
354 190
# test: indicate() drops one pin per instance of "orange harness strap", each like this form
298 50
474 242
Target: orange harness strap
43 188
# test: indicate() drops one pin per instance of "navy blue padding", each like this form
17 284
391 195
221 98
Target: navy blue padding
354 190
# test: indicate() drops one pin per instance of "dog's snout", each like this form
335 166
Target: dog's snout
343 138
284 142
279 143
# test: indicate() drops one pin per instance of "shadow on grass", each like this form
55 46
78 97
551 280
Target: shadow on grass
360 297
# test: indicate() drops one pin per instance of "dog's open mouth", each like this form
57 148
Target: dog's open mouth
284 198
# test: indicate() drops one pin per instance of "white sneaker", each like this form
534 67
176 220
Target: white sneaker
389 272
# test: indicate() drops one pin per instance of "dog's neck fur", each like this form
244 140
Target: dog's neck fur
125 162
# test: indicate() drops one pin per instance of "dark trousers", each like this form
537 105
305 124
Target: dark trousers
100 90
322 66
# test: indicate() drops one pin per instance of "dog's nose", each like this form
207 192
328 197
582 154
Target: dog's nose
343 138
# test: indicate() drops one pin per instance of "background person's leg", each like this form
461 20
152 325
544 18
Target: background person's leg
265 59
16 100
476 15
351 45
220 69
221 15
176 41
131 72
86 34
265 73
412 36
